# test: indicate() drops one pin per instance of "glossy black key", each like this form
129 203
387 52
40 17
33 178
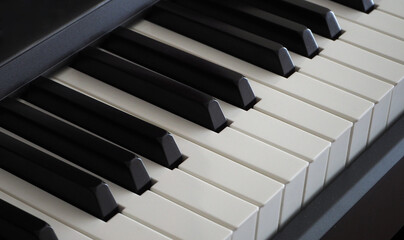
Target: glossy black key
153 87
121 128
361 5
18 224
60 179
319 19
222 36
294 36
193 71
75 145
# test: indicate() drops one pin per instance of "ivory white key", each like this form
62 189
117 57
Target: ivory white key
210 202
202 227
165 216
205 200
371 64
311 119
394 7
331 99
118 227
175 220
372 41
230 143
321 95
354 82
378 20
286 137
62 231
237 180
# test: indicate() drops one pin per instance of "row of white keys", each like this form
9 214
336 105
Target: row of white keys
62 231
377 20
150 212
118 227
371 64
310 119
175 189
261 157
385 46
204 199
394 7
238 180
347 79
168 217
372 41
336 101
286 137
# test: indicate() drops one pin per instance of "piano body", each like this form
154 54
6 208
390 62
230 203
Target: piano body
364 200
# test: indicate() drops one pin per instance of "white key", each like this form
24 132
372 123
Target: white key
204 199
230 143
371 64
328 98
167 217
210 202
372 41
310 119
62 231
337 130
377 20
286 137
118 227
237 180
394 7
304 88
152 209
163 215
354 82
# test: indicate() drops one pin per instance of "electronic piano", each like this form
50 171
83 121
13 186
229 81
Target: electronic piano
174 119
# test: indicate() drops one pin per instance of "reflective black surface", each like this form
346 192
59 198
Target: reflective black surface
24 22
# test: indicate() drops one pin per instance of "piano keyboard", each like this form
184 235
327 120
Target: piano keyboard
197 123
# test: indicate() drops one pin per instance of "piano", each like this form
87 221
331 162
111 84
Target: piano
201 119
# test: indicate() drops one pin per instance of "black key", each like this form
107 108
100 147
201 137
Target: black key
193 71
155 88
105 121
225 37
70 184
361 5
294 36
75 145
18 224
319 19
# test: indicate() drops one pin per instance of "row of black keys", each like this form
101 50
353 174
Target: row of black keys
261 28
183 96
28 117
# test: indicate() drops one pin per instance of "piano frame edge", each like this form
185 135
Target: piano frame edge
329 210
66 41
